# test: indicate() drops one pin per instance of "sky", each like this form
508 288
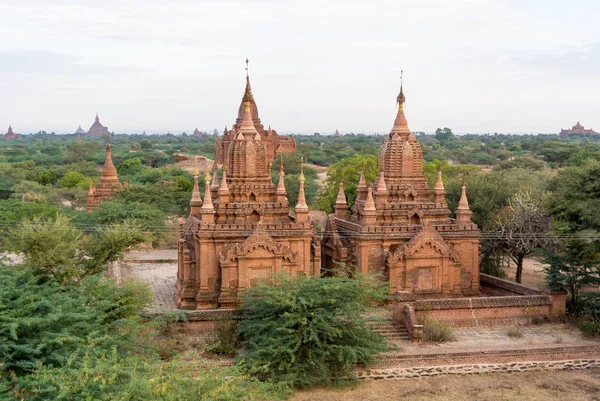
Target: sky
510 66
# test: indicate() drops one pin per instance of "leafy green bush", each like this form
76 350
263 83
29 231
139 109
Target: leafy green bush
307 330
116 377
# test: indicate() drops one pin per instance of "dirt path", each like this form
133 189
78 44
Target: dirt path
533 273
535 386
321 173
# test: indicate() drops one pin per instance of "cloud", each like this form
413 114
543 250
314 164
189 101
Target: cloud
23 61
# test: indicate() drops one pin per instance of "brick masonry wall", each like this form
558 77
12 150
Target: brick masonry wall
470 369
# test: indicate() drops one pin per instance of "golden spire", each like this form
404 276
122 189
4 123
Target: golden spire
400 123
301 206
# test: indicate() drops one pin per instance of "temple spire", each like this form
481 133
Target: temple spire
301 207
369 212
361 189
196 202
400 123
224 188
463 212
207 210
97 119
214 186
341 205
109 172
439 192
281 191
247 125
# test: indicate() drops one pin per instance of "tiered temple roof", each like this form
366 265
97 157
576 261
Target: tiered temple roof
397 208
242 231
97 129
274 142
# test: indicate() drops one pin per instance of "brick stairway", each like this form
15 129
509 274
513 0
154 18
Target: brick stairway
391 331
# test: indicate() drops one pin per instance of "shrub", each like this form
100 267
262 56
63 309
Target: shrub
309 331
224 340
514 332
437 331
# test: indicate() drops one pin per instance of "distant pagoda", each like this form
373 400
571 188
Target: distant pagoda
10 135
577 129
97 129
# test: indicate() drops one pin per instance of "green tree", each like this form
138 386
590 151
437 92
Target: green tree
309 331
521 228
54 248
349 170
73 179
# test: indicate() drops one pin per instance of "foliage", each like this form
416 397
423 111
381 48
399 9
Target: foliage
224 340
349 170
54 248
44 322
521 228
515 332
112 377
73 179
437 331
307 330
567 271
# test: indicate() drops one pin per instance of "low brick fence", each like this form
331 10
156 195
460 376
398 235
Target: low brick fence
419 372
522 306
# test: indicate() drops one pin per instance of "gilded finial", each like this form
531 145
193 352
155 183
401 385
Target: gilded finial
247 66
401 98
281 163
301 178
464 182
224 168
196 172
207 178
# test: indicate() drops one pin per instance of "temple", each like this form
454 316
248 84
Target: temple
577 129
10 135
396 227
242 231
107 186
337 133
274 142
97 129
197 132
80 131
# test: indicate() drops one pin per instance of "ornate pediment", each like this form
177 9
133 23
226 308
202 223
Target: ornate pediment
260 238
428 235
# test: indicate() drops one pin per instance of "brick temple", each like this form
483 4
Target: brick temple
577 129
107 186
242 231
274 142
397 229
10 135
97 129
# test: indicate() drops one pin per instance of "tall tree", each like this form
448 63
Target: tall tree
522 227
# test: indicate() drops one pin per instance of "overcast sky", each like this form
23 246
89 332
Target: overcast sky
315 65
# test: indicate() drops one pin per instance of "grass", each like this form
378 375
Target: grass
436 331
514 332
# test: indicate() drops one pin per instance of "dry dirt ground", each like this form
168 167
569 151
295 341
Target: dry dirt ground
534 386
